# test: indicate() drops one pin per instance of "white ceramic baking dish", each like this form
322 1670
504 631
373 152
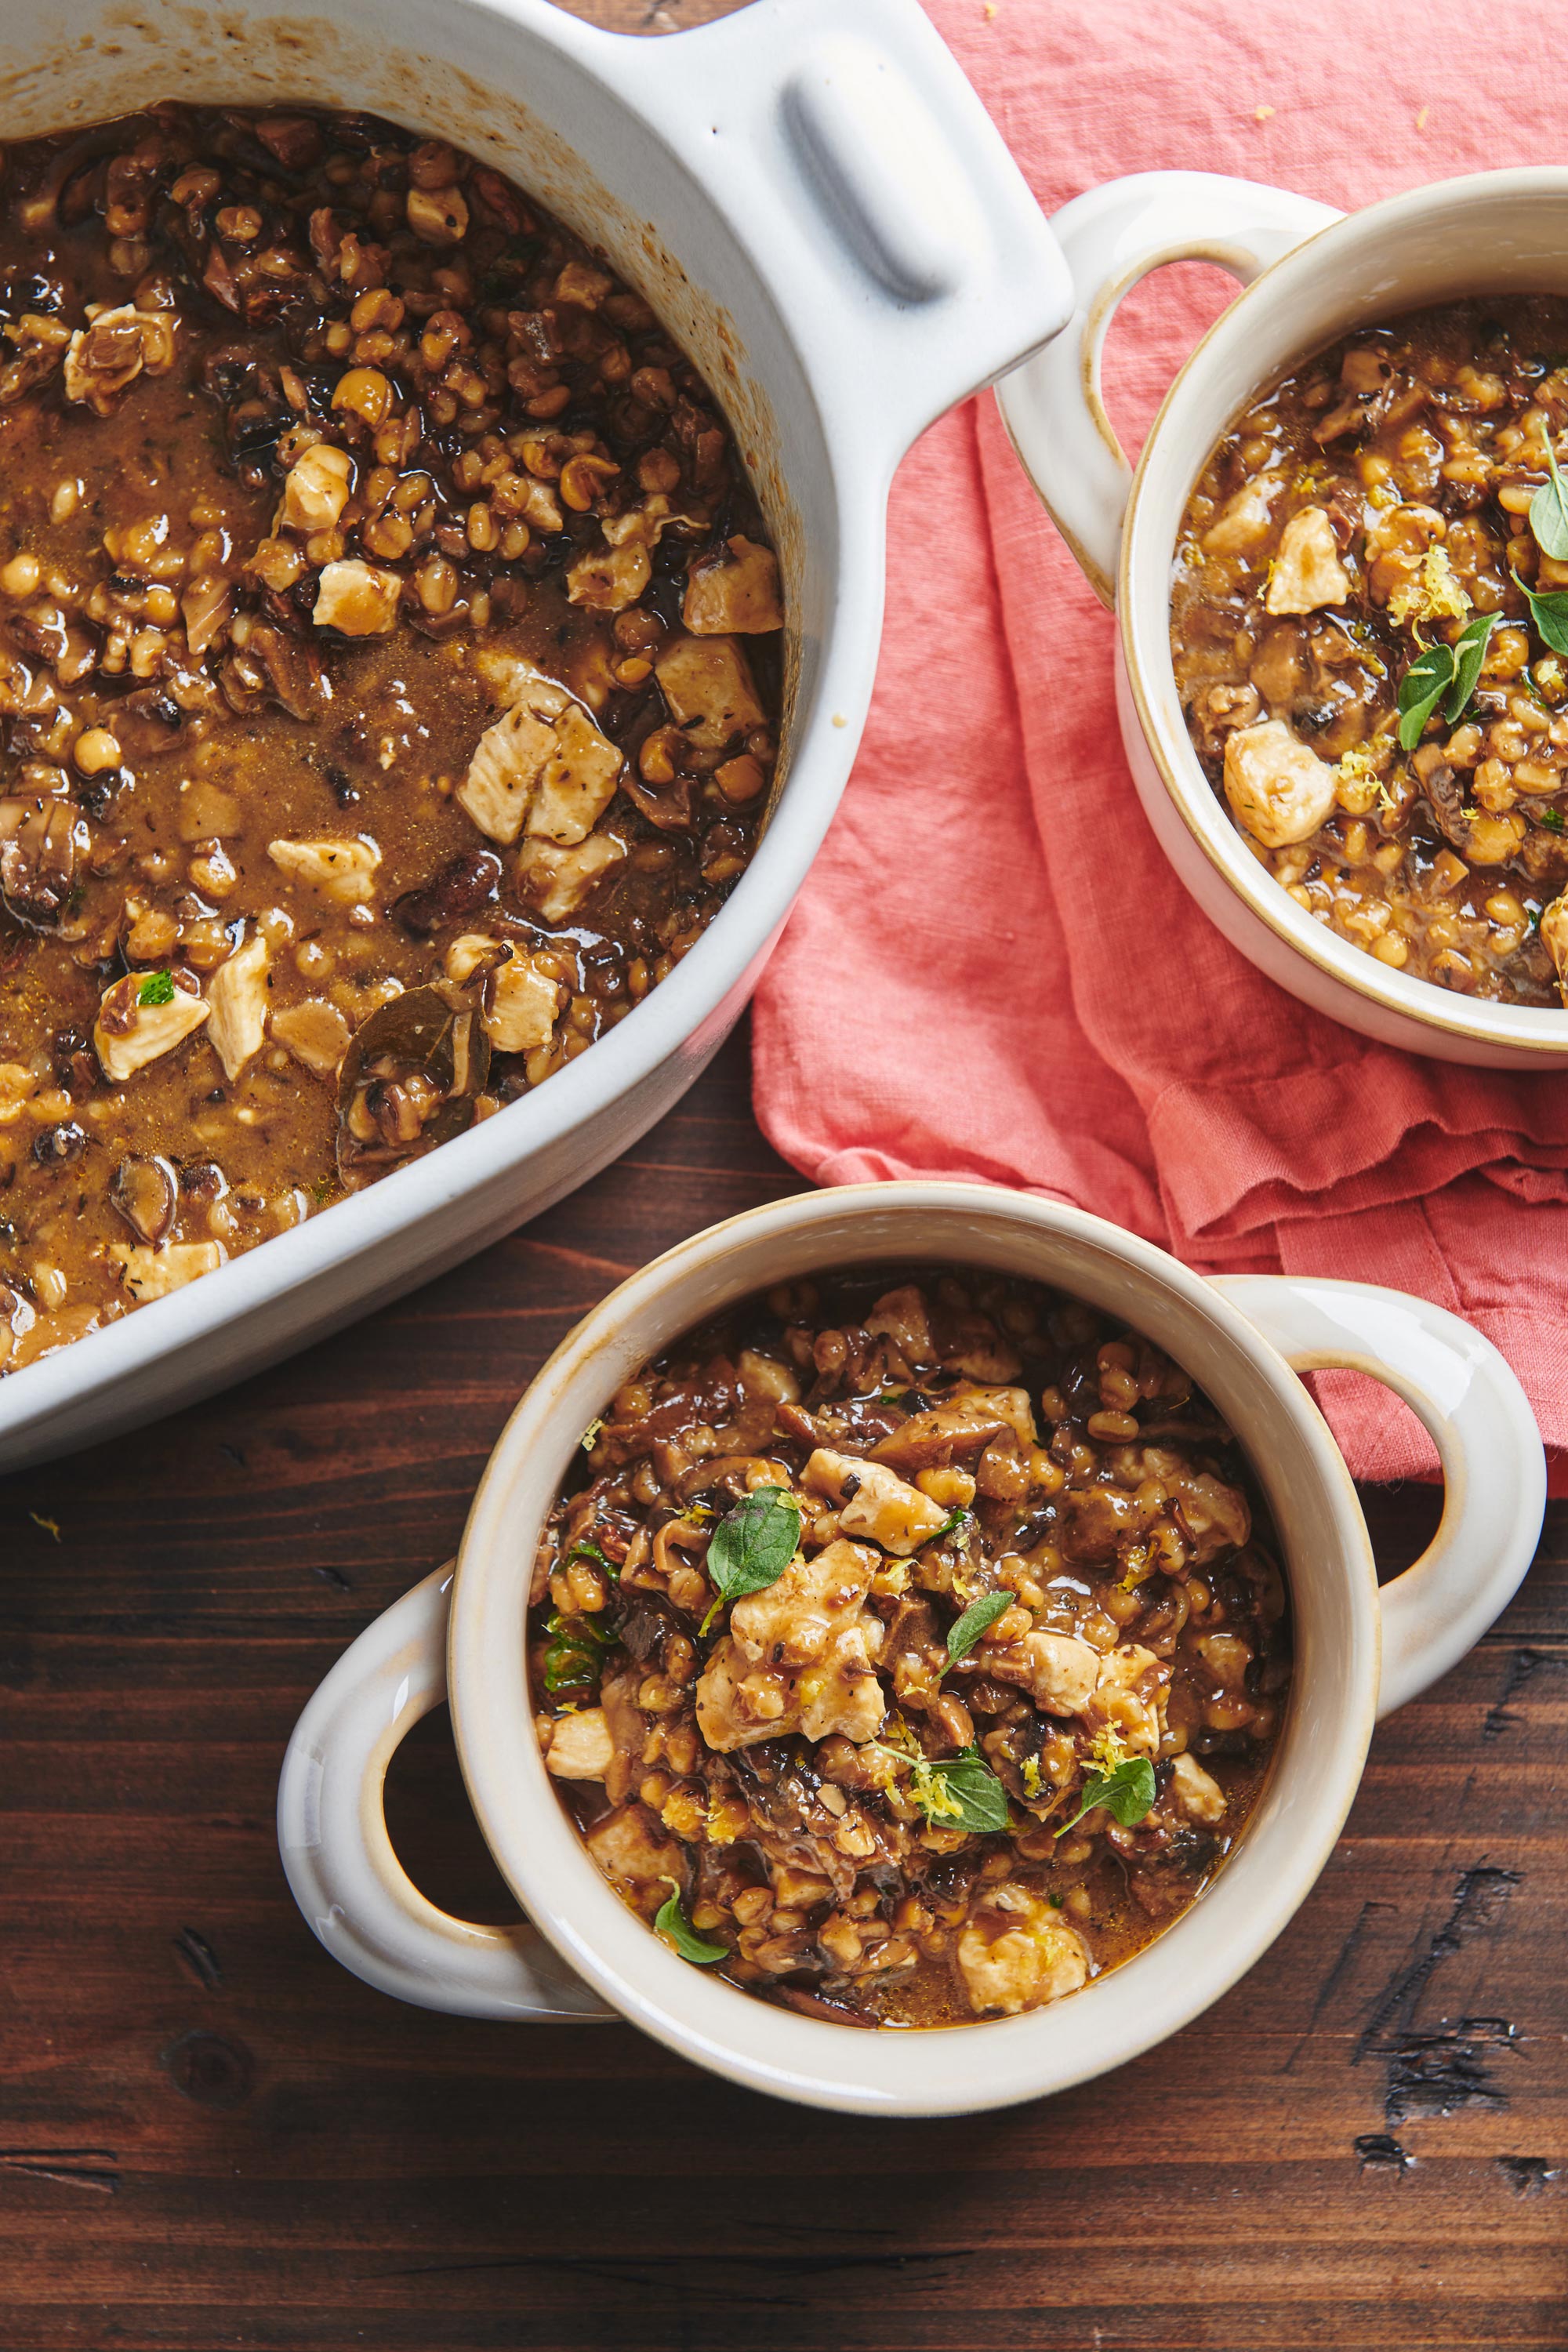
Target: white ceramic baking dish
816 204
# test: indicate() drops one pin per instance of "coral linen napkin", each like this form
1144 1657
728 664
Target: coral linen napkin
993 972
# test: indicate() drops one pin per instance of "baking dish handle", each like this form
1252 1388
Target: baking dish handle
846 150
339 1859
1110 239
1479 1417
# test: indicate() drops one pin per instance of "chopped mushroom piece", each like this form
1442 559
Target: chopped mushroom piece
1307 570
739 595
1015 1953
708 686
315 1033
359 599
237 997
153 1272
874 1500
342 870
1278 786
102 358
133 1027
558 880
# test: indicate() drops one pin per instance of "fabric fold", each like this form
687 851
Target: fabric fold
992 971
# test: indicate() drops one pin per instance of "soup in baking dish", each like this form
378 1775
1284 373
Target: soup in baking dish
1369 624
911 1645
388 667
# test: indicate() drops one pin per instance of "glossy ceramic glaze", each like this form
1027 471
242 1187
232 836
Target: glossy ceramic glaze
1357 1654
1311 276
818 204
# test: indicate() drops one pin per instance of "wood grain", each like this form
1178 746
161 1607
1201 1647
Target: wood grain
211 2136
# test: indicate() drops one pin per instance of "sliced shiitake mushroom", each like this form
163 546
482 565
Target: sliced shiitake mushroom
408 1081
457 891
60 1146
39 842
145 1191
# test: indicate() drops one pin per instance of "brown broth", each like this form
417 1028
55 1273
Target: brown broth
780 1761
531 473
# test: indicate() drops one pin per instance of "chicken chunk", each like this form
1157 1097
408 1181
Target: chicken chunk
634 1850
609 578
358 599
1307 571
343 870
543 767
795 1621
1280 790
737 596
581 1747
1130 1696
798 1657
558 880
153 1272
237 996
1244 522
1057 1670
1197 1793
1217 1518
708 684
873 1500
903 1316
1016 1953
317 489
133 1027
315 1033
521 1005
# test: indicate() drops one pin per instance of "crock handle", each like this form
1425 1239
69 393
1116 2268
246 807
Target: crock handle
1494 1465
1110 239
845 148
341 1866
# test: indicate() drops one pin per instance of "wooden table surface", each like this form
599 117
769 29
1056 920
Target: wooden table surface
211 2136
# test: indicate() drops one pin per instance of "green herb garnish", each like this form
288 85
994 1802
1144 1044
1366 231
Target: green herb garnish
1548 506
158 988
959 1792
671 1922
582 1549
1446 674
976 1620
1549 612
752 1546
1126 1791
949 1526
574 1654
1551 819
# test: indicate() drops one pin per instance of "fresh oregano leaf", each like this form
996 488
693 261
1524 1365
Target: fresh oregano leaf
1469 651
1127 1791
976 1620
158 988
959 1792
1549 508
752 1546
1548 612
949 1527
1420 689
672 1924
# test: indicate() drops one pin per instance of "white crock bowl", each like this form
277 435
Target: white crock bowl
1311 276
1358 1653
816 203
